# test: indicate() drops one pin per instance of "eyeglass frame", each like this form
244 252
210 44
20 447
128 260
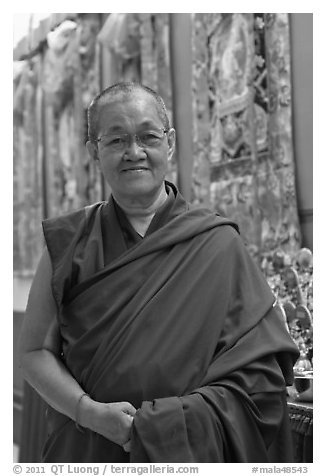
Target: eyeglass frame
136 138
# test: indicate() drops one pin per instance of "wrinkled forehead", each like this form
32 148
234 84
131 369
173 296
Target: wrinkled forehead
135 105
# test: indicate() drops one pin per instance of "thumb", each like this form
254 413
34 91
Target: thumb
128 408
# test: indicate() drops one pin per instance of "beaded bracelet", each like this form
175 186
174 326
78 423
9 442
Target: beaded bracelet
77 412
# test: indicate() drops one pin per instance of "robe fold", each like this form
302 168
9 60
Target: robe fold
182 326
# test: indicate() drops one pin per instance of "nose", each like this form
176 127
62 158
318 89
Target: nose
134 151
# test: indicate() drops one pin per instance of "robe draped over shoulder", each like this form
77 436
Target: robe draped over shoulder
181 325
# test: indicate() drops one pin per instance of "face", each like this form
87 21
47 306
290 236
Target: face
136 173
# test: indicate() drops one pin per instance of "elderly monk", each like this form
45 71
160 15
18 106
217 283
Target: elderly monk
149 330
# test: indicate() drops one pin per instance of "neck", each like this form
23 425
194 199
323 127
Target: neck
140 213
142 208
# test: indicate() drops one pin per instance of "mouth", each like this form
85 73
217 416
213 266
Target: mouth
135 169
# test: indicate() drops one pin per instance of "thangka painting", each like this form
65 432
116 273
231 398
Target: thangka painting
70 81
243 154
27 168
52 171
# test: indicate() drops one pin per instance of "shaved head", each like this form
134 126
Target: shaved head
122 91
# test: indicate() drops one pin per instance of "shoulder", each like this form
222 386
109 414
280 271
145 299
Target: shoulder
61 232
224 232
72 219
212 220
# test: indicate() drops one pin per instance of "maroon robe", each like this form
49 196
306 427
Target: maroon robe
180 324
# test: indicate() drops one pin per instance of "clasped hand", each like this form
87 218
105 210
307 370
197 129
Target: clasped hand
114 421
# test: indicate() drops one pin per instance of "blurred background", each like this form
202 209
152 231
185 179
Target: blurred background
238 88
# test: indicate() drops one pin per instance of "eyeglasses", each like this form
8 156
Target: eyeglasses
120 142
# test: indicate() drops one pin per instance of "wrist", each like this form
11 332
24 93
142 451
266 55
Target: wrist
85 412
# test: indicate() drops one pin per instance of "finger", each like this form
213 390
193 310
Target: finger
129 409
127 446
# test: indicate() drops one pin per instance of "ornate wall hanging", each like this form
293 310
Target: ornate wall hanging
243 153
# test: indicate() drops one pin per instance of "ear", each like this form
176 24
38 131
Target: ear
92 150
171 142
